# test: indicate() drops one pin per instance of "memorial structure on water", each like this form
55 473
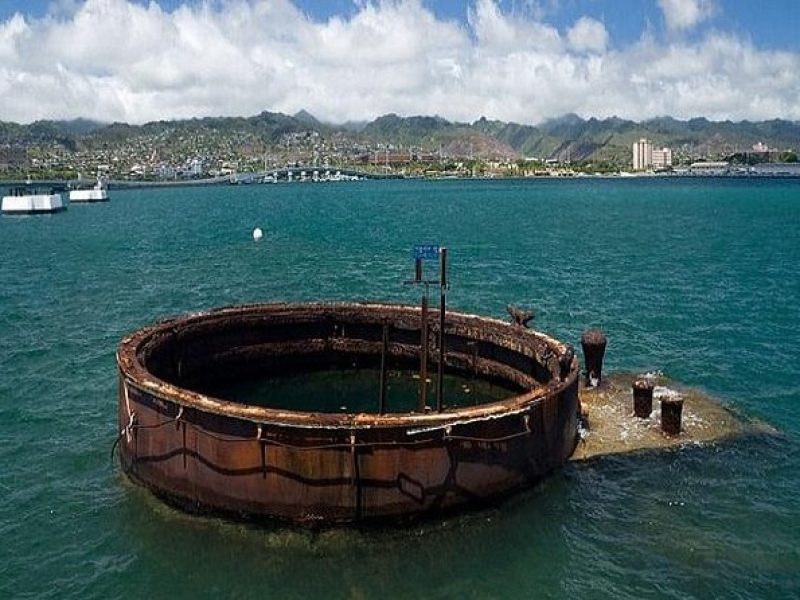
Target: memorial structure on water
216 415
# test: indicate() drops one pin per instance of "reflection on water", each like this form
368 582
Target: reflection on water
354 391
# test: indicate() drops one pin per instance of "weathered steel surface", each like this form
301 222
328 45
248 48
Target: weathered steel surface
671 411
205 453
643 397
593 343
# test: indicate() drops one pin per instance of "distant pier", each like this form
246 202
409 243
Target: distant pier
301 174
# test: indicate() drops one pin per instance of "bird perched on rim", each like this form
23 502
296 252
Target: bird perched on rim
518 316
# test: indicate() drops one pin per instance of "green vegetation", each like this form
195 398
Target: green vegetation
415 145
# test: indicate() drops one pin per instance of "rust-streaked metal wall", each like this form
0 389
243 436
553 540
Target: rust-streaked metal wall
207 454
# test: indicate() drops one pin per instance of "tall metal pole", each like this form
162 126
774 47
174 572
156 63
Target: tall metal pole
422 402
442 308
423 355
384 350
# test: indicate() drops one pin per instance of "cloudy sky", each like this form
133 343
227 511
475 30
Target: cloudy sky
518 60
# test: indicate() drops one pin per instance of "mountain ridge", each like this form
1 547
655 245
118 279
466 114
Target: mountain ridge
570 136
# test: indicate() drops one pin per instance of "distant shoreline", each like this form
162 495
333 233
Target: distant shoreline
126 184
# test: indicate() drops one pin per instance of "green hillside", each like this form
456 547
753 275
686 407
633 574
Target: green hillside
570 137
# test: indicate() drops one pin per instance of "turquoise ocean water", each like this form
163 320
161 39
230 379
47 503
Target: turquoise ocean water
698 278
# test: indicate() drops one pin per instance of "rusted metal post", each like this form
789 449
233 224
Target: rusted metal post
442 308
642 398
593 342
473 347
423 356
384 351
671 411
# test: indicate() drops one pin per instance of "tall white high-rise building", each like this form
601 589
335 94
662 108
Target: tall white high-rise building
642 154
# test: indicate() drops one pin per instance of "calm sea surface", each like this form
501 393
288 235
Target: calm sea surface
700 279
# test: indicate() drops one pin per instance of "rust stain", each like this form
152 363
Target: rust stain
206 453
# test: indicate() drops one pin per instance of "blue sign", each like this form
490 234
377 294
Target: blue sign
426 251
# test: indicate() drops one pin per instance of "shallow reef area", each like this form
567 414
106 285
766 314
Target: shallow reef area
609 425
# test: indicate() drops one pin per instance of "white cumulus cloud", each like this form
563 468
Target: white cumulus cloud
685 14
588 34
135 62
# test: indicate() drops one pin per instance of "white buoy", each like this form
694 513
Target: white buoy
257 233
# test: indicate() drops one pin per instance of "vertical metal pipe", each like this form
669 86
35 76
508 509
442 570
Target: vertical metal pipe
671 411
443 268
423 360
643 398
442 308
384 350
593 342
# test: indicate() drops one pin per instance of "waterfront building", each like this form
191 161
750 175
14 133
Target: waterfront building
642 154
661 158
165 171
709 168
647 157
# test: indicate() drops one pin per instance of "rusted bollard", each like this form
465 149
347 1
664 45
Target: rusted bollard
593 342
642 398
671 411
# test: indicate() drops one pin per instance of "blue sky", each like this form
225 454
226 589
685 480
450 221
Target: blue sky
514 60
769 23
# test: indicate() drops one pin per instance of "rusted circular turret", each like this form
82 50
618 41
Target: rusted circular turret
211 454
